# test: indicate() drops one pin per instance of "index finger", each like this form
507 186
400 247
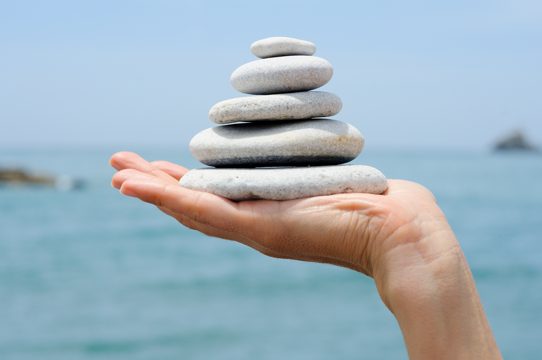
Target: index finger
129 160
200 206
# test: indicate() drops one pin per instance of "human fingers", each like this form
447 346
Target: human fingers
173 170
121 176
123 159
129 160
200 206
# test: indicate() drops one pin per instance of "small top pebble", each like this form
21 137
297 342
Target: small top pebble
281 46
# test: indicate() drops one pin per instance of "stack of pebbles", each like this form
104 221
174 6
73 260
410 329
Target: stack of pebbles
282 148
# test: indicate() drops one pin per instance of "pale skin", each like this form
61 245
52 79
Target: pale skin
401 239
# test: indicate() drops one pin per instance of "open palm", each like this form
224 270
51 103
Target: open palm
350 230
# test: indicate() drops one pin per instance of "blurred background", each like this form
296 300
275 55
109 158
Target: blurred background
446 93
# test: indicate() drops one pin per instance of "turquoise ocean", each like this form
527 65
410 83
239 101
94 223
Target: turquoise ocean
90 274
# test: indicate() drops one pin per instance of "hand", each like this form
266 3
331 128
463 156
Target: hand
345 229
400 238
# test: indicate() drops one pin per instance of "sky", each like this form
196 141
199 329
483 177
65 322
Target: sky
411 74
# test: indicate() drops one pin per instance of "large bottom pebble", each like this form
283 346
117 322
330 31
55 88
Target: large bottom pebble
286 183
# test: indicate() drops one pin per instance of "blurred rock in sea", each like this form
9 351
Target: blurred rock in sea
21 177
514 141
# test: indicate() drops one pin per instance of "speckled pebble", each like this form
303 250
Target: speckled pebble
299 105
286 183
281 46
287 143
282 74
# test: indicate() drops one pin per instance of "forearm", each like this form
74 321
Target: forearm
432 294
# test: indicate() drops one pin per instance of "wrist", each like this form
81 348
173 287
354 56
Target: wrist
417 247
427 284
420 260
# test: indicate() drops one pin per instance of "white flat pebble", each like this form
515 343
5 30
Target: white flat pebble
286 183
289 143
291 106
281 46
282 74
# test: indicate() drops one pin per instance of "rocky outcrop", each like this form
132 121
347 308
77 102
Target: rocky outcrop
21 177
514 141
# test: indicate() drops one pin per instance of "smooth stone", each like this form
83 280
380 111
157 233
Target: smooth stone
282 74
286 183
291 106
281 46
291 143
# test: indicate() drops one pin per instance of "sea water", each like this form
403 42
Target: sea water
91 274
